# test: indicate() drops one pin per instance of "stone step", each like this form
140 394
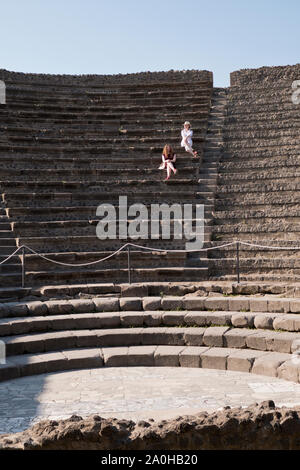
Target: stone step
123 117
89 226
90 242
104 162
188 106
97 186
64 213
32 141
233 327
78 135
21 199
216 336
49 97
257 200
257 362
93 150
96 275
180 304
90 175
200 99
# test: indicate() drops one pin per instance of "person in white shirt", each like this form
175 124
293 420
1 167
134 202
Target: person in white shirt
186 142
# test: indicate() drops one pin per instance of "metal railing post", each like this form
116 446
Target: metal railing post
238 262
23 266
128 264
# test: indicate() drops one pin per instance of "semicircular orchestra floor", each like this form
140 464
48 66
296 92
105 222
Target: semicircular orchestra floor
134 393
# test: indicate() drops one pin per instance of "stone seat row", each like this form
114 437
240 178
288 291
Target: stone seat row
237 326
56 213
226 303
73 93
95 275
257 362
91 175
90 89
215 336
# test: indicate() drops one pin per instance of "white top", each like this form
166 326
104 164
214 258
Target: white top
188 134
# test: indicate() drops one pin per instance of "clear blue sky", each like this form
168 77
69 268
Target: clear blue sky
122 36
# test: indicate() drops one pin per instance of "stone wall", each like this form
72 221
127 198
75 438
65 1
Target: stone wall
265 74
119 79
258 427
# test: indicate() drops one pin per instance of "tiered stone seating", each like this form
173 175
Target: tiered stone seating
68 144
257 198
243 333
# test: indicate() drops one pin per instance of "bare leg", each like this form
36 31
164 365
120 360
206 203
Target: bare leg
172 168
189 149
168 171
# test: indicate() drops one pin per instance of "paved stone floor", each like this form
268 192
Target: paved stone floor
134 393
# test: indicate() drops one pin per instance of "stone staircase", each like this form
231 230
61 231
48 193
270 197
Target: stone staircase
69 144
240 333
208 172
257 198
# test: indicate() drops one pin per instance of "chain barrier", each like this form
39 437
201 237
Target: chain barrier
127 246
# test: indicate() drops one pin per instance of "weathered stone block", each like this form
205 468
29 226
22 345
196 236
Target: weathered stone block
131 319
115 357
167 356
151 336
236 338
213 336
152 318
259 340
16 309
195 318
216 303
295 306
86 338
239 303
171 303
264 321
286 322
190 356
55 341
141 356
215 358
242 360
37 308
59 307
82 358
106 304
258 305
218 318
130 303
280 305
241 320
194 336
82 305
134 290
289 370
269 363
120 337
173 318
151 303
194 303
52 362
281 342
29 364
